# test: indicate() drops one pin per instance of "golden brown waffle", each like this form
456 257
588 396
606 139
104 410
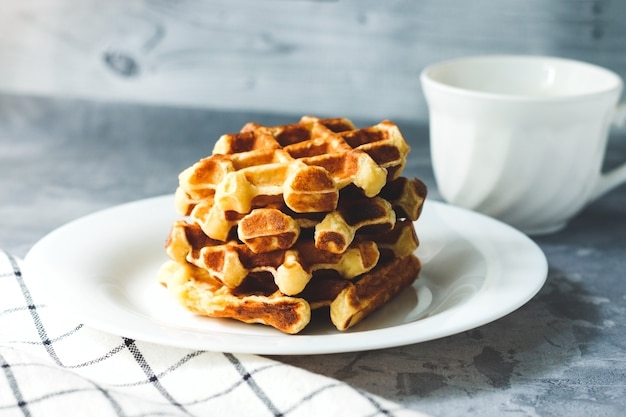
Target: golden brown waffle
267 229
219 224
270 228
349 301
305 164
374 289
291 268
195 290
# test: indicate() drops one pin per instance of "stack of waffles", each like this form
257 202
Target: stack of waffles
283 220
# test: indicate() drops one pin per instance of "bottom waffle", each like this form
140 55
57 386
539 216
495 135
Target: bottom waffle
195 290
350 301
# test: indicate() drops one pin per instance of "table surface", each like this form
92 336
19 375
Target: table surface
62 159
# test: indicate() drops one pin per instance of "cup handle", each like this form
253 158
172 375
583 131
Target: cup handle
608 181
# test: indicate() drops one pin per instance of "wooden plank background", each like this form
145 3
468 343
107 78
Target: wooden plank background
346 57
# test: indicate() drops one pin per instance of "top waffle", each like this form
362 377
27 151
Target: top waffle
303 165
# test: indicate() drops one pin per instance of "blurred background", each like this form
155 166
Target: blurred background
355 58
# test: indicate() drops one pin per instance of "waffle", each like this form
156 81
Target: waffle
292 268
197 291
349 301
360 299
282 220
268 228
231 262
305 164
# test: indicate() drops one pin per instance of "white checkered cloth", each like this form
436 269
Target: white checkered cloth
53 367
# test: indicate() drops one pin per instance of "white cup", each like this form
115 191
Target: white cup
522 138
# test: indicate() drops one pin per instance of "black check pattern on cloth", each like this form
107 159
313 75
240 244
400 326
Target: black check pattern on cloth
53 366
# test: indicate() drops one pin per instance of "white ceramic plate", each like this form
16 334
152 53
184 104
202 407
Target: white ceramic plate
101 270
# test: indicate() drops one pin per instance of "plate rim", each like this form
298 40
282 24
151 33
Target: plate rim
301 344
